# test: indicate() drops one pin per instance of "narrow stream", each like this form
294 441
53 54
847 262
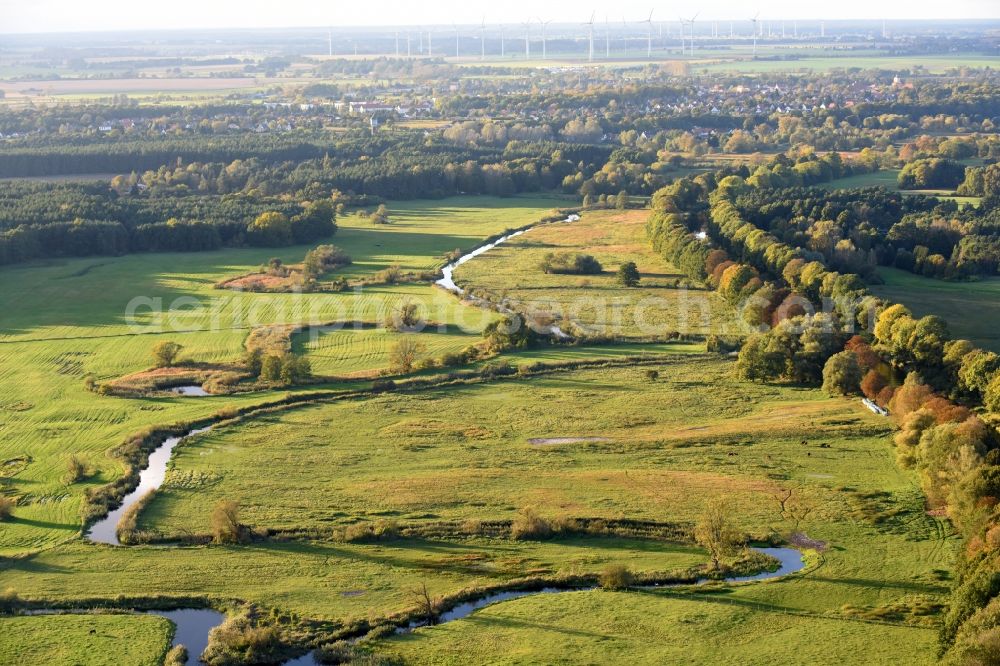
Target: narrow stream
193 625
791 561
106 529
448 281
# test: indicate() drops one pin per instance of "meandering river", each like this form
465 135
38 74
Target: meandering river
150 478
194 625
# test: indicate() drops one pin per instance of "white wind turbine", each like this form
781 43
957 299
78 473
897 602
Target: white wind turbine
649 35
482 39
590 25
625 39
690 23
527 40
545 25
607 37
755 20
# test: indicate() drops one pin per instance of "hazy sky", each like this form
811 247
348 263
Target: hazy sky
79 15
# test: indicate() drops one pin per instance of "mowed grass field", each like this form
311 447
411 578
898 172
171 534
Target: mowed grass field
597 304
350 352
84 640
64 320
972 309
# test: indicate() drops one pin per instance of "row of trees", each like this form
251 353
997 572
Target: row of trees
83 237
954 450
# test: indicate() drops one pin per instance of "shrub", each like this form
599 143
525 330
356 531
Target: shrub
529 525
405 316
324 258
340 652
226 413
7 505
425 364
405 354
359 532
165 353
386 529
240 640
616 577
498 369
571 263
390 275
77 469
452 359
226 527
177 656
472 526
222 382
9 598
380 216
127 527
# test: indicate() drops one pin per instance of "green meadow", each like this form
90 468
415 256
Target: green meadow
85 640
64 320
657 628
971 309
665 301
665 428
449 454
466 454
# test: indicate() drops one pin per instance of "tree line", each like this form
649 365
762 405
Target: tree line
931 384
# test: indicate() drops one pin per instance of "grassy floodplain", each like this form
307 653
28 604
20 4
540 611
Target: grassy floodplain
649 449
665 300
85 640
66 319
451 454
466 454
656 628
